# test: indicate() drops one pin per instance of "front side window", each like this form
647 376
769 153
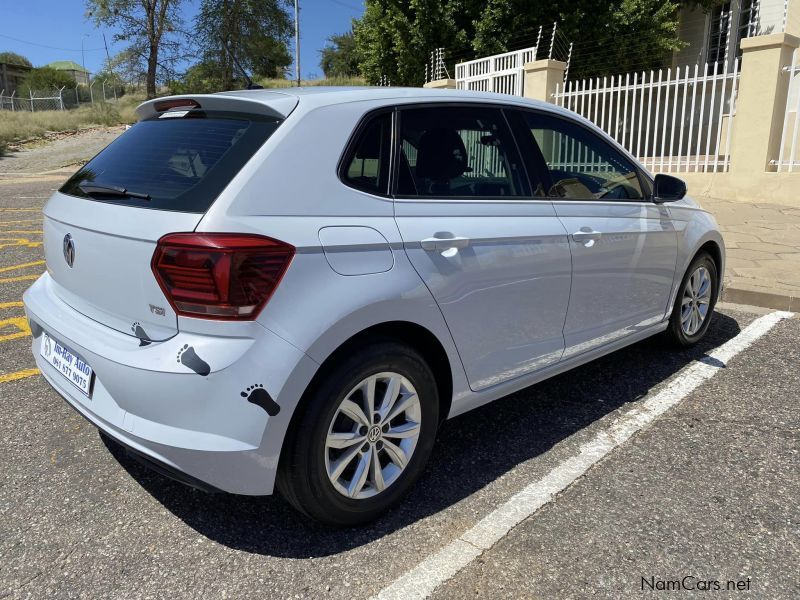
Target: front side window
581 165
366 166
458 152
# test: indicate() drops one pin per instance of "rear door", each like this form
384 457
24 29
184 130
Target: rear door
495 258
624 247
159 177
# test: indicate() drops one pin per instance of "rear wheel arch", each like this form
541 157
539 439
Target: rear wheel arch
417 337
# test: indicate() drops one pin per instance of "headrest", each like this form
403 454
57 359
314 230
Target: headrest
441 155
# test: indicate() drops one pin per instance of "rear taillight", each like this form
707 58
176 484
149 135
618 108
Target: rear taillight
219 275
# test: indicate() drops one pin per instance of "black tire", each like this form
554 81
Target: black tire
302 476
675 333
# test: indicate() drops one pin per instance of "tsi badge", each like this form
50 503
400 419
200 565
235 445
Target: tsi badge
69 250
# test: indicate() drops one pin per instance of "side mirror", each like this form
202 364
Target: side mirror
667 188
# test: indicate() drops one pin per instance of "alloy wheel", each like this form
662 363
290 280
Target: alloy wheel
372 435
696 301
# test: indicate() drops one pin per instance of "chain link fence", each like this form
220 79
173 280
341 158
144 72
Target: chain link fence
61 99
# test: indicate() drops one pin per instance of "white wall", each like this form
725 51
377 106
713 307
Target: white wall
694 26
771 16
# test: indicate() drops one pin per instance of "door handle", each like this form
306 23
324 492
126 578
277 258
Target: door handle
587 236
434 244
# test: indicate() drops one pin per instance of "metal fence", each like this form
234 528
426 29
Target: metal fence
671 120
789 156
61 99
504 73
36 100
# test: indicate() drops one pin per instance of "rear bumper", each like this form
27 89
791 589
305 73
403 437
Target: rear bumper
187 423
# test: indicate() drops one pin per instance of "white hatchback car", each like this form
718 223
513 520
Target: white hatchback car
296 287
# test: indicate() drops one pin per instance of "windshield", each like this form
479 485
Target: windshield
179 161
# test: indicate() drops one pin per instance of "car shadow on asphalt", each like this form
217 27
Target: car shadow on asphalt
472 450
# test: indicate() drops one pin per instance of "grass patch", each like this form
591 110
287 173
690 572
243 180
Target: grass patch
22 125
333 81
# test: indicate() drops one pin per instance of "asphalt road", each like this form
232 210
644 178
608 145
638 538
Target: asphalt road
708 490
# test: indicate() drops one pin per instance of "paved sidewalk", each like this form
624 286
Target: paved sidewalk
763 250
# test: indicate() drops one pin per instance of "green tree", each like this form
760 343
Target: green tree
152 28
128 66
339 58
12 58
200 78
45 79
394 38
255 32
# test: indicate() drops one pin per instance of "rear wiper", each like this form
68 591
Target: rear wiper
111 190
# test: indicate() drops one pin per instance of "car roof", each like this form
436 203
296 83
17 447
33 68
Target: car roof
315 96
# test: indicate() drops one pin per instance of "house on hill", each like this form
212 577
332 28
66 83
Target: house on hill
77 72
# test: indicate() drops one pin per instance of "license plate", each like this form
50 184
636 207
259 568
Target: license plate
66 362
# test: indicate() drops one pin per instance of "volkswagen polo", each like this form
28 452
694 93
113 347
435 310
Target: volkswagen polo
291 290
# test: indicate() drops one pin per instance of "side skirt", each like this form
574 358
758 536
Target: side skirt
476 399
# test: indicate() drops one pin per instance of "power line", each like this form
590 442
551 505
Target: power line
50 47
345 5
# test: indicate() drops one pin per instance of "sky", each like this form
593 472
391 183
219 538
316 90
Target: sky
49 30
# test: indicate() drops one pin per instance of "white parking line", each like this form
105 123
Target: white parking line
422 580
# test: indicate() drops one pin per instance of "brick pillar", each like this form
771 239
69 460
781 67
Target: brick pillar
441 84
761 103
541 78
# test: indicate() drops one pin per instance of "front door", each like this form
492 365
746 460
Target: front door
495 257
624 247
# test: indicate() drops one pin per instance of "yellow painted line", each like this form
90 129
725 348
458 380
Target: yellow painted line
11 304
18 231
20 278
18 375
20 209
20 221
18 242
35 263
19 327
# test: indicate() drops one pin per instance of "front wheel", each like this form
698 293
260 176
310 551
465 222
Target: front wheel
364 436
694 304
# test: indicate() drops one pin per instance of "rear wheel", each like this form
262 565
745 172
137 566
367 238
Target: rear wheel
364 437
694 304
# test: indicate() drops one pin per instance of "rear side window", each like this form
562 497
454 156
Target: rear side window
366 166
458 151
177 163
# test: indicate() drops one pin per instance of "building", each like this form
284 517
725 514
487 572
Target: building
77 72
11 76
715 36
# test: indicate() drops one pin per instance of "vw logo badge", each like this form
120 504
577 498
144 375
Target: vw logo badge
69 250
374 434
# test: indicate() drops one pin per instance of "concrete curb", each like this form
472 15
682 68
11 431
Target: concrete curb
763 299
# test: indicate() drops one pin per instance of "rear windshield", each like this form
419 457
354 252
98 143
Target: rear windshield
175 161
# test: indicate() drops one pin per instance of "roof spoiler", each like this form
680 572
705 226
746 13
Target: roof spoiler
271 104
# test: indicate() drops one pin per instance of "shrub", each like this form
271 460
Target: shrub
45 78
103 113
12 58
